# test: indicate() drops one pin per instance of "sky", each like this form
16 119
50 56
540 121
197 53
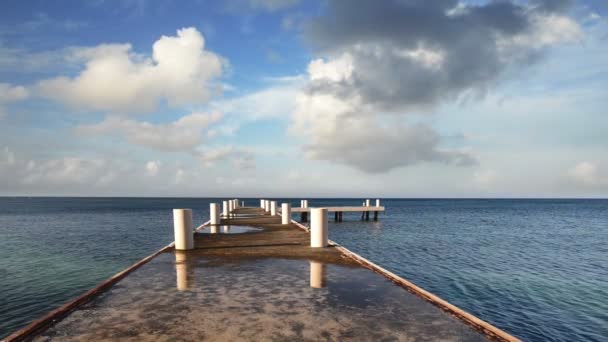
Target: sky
250 98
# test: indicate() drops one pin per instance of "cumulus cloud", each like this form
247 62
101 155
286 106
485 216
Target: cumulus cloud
180 71
405 57
183 134
242 159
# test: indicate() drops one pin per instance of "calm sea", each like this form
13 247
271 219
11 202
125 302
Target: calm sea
535 268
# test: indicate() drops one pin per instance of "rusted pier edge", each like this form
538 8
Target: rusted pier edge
54 316
478 324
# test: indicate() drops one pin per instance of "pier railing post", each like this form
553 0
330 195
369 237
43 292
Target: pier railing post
214 213
267 206
182 228
318 227
230 208
273 208
262 203
377 203
285 213
225 208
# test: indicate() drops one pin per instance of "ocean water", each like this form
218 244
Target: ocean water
535 268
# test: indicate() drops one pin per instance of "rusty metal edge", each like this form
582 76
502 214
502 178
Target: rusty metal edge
471 320
54 316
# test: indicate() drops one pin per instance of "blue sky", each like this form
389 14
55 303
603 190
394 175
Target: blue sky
304 98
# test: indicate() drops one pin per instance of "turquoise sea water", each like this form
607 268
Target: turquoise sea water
535 268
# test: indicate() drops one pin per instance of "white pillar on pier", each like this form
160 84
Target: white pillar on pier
377 203
182 228
267 206
262 203
242 203
285 213
213 229
273 208
230 207
318 227
367 202
305 204
301 203
225 208
214 213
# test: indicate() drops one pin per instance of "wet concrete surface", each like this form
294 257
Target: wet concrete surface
193 298
266 285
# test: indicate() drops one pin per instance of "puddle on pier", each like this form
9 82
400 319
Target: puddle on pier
229 229
188 297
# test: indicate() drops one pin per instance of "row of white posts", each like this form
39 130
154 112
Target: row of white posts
182 220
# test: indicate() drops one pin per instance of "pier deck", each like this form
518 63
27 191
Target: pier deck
341 209
252 278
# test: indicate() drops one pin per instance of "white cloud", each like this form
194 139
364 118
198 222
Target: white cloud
9 93
589 173
183 134
276 101
546 30
18 172
346 131
242 159
152 167
180 71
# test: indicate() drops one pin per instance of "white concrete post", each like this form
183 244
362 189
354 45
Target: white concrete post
214 213
182 228
230 207
226 229
225 208
262 203
305 204
267 206
301 203
236 203
273 208
318 227
377 203
285 213
213 229
242 203
367 203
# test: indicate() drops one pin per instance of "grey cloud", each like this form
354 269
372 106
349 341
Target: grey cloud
404 58
372 32
366 146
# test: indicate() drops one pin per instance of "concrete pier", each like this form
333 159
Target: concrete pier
265 284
